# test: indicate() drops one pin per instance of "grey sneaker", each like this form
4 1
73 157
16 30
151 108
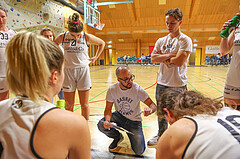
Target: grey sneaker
153 141
115 143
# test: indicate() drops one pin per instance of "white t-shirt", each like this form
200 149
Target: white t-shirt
127 102
75 51
17 119
233 75
173 76
217 137
4 39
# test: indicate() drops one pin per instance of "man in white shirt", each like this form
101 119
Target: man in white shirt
172 52
126 97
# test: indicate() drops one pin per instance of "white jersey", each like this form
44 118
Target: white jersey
127 102
4 39
19 117
173 76
75 51
233 75
216 137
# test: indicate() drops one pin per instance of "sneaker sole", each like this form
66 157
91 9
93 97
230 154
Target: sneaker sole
152 146
117 148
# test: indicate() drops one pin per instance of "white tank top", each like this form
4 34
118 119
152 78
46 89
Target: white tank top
216 137
19 117
75 51
4 39
233 75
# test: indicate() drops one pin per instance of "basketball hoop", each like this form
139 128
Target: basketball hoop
99 25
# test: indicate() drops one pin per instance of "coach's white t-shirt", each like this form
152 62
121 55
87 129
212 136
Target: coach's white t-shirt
216 137
173 76
127 102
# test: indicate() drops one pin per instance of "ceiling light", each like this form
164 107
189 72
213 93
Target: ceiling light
110 42
112 32
195 40
121 40
195 45
162 2
109 46
195 29
211 29
112 6
164 30
211 38
151 30
124 31
138 31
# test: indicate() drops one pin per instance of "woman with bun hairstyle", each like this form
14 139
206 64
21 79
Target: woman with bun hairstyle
30 125
77 72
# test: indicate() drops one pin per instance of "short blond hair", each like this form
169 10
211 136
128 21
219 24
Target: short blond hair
31 58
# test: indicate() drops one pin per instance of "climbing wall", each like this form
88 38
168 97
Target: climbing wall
33 15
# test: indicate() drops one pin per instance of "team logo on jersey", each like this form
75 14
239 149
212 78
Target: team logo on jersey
124 103
73 43
18 104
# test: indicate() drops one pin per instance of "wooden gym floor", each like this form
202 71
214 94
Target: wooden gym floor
207 80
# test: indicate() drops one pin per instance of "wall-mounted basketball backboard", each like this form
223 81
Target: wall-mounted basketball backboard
91 12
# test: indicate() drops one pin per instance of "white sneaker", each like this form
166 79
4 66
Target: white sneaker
153 141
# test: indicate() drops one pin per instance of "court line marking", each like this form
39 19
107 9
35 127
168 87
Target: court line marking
207 83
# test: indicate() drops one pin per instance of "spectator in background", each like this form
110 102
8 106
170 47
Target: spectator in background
142 59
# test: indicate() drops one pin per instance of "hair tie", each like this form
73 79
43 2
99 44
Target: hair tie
75 21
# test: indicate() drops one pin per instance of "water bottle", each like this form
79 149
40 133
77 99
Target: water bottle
61 103
228 29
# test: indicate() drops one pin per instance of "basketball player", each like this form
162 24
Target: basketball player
77 72
172 52
30 125
48 33
200 127
232 84
126 97
5 35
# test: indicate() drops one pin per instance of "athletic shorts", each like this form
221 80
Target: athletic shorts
3 85
77 78
231 92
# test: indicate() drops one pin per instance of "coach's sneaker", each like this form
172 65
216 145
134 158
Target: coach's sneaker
153 141
113 147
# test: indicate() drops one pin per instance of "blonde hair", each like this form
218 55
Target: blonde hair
31 58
